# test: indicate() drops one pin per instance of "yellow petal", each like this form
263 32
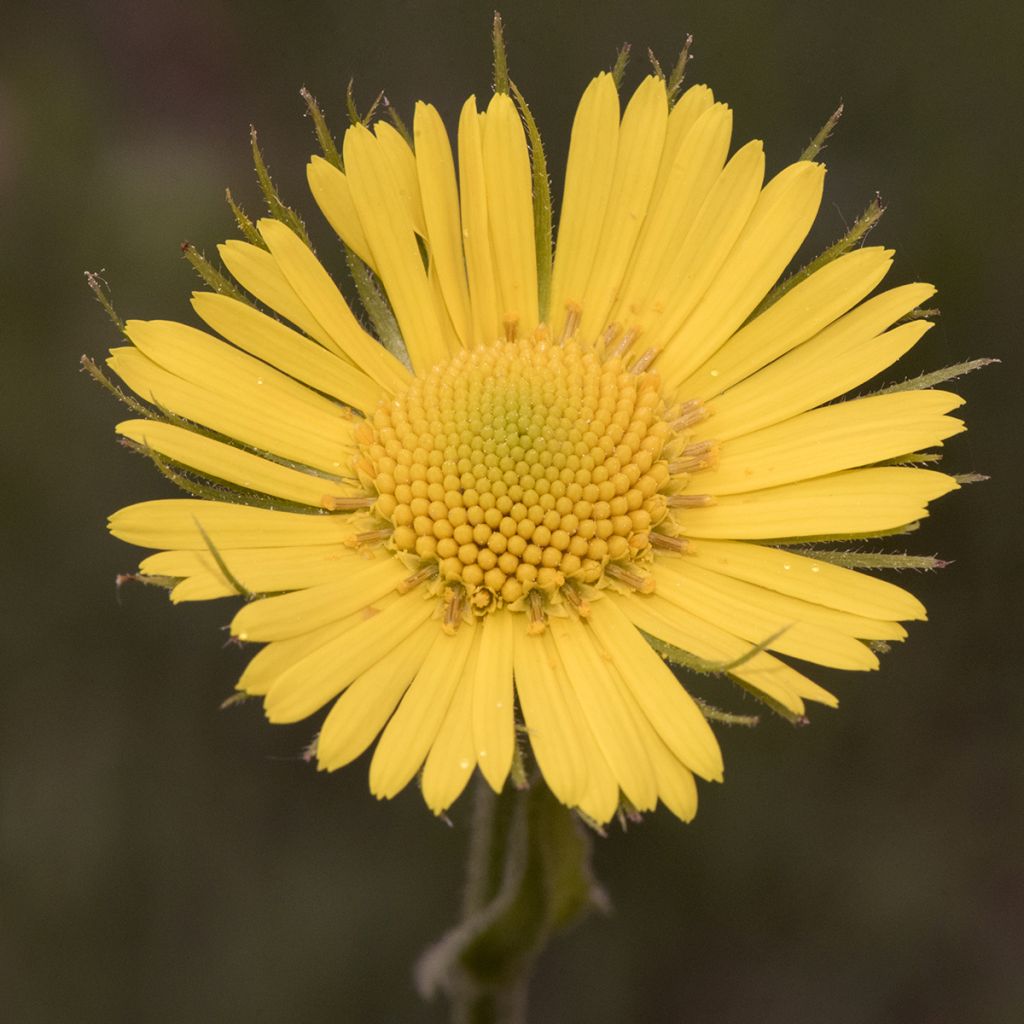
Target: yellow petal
439 190
821 369
315 288
641 140
270 340
599 800
854 502
549 725
675 783
205 360
223 462
314 680
392 237
677 788
668 707
259 570
333 195
172 523
689 109
493 699
761 672
598 689
593 146
778 224
258 273
509 188
765 605
414 726
700 254
476 238
698 162
452 758
360 712
269 664
801 313
836 437
287 615
757 618
402 164
807 578
263 425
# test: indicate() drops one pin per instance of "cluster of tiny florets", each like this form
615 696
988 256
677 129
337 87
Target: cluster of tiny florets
522 466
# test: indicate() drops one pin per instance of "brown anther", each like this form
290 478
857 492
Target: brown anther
428 572
573 313
538 619
694 457
690 412
454 607
372 536
644 361
669 543
541 332
511 324
625 573
609 334
625 343
689 500
576 601
347 503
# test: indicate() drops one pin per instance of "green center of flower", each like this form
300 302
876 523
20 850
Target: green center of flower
523 472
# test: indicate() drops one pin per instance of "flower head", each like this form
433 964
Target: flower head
538 480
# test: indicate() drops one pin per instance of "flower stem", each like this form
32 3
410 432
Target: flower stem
499 826
528 877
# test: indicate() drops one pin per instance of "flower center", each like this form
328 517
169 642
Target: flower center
523 473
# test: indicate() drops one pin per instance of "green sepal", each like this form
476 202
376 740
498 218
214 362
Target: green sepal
400 126
228 575
353 110
918 313
773 705
684 659
929 380
871 559
245 224
96 372
618 69
674 83
501 81
328 146
541 203
817 144
713 714
210 275
163 582
101 290
278 209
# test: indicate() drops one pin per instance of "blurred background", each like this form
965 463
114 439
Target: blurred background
163 861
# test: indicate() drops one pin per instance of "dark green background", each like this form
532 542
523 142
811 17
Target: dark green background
165 862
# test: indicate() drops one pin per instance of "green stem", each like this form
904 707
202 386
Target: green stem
498 835
528 878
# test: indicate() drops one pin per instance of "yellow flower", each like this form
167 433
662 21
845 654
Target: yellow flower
571 460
